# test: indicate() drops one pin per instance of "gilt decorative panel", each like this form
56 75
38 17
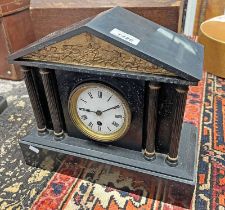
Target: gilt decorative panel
88 50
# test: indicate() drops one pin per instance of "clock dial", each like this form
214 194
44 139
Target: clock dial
99 111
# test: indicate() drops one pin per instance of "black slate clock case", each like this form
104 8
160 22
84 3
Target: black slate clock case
157 68
132 90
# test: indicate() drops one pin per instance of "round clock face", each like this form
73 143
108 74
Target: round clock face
99 112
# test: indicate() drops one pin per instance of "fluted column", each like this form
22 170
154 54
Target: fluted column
35 100
53 102
153 91
179 108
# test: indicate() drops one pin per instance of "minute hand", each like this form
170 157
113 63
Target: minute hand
115 107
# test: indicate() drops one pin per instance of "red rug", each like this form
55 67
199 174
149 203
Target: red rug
206 109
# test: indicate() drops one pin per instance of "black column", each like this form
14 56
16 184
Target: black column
179 108
153 91
35 100
53 101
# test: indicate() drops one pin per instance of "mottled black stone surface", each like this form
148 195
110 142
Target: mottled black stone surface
132 90
107 72
185 171
169 181
165 117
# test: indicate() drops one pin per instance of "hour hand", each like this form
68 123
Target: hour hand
86 110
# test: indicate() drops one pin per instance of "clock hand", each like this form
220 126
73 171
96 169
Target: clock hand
86 110
115 107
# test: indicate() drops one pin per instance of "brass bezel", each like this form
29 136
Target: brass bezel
83 128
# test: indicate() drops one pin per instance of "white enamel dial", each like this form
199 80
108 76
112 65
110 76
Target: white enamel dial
99 111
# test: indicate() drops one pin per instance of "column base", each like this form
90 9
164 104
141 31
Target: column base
42 131
149 155
172 161
59 136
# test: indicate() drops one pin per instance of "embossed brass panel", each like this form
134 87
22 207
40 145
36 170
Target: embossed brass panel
88 50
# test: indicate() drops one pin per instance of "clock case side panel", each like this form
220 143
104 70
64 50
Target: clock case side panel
132 90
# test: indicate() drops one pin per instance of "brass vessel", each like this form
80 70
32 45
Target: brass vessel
212 36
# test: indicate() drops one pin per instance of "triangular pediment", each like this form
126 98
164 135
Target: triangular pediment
117 39
86 49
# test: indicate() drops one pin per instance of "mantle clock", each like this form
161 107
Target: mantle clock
112 89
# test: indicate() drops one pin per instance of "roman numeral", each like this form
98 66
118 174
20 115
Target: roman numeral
84 117
115 124
109 98
89 93
100 94
83 100
90 124
118 116
99 128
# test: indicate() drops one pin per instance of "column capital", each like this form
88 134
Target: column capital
182 89
44 71
154 86
25 69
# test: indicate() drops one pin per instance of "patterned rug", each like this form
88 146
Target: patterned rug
95 188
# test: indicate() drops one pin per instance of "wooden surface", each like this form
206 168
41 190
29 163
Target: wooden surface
46 18
198 16
214 8
207 9
11 6
102 3
15 33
